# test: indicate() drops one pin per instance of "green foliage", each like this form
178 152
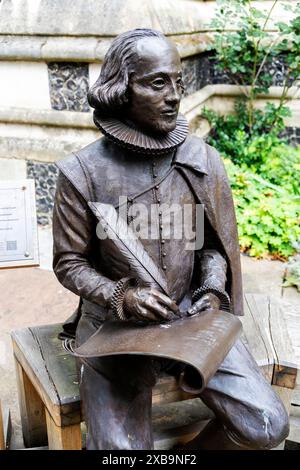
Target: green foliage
265 178
282 168
268 215
241 52
245 53
264 171
231 135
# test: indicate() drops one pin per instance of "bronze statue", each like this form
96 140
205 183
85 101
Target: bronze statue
148 155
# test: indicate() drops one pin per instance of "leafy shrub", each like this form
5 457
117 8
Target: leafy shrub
265 178
268 215
246 54
231 135
282 168
264 171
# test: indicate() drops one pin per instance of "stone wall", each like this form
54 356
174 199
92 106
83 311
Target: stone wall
45 176
68 85
201 70
49 56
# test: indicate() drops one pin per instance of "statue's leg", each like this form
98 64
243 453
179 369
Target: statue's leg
249 414
117 398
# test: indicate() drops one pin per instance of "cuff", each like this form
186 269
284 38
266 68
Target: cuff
117 298
209 289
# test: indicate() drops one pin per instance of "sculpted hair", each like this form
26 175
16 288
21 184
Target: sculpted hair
108 94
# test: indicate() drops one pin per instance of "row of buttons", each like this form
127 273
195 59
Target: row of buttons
158 199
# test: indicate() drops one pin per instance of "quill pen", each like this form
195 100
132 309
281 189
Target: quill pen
114 227
200 343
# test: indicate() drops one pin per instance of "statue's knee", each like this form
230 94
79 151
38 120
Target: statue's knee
270 431
278 427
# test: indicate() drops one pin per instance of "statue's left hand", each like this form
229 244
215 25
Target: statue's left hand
206 302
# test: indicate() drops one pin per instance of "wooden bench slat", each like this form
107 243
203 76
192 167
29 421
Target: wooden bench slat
268 338
296 392
28 352
58 365
255 341
65 410
296 397
280 337
270 319
260 347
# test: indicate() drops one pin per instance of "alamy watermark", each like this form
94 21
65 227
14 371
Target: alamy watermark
151 222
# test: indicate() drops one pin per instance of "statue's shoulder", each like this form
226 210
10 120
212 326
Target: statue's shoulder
193 153
202 148
193 141
81 166
193 145
90 155
196 153
199 145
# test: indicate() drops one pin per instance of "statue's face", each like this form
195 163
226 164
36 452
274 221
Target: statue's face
155 86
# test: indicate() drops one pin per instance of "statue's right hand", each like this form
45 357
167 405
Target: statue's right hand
148 304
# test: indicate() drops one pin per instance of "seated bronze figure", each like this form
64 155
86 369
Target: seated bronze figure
148 156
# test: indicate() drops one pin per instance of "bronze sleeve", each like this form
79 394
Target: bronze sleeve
213 269
74 228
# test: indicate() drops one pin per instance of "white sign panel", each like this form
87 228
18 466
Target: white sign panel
18 227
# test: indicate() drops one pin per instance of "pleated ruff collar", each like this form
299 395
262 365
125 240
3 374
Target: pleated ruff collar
126 135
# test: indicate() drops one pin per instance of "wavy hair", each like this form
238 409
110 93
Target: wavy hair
108 94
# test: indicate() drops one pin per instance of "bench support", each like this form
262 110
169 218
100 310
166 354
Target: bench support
2 440
63 438
32 411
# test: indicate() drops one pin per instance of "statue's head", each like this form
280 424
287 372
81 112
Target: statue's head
140 81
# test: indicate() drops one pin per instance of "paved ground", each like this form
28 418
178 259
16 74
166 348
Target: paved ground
33 296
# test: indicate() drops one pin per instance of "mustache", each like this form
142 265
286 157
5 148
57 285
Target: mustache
170 109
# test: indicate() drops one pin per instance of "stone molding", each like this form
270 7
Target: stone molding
48 135
189 106
42 143
83 29
84 49
47 117
103 18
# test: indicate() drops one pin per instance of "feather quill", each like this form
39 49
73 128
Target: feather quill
114 227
